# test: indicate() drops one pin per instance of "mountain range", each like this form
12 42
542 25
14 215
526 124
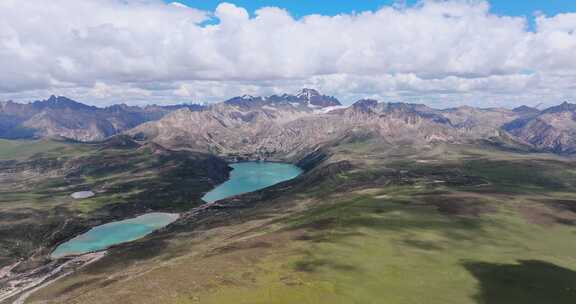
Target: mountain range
286 126
62 117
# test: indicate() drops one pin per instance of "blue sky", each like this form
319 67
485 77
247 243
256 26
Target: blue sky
332 7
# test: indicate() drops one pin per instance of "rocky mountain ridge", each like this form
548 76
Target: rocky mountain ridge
288 125
552 130
62 117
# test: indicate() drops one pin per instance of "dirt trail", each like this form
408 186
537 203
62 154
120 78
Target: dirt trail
18 287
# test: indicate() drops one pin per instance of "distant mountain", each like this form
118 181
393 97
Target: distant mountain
59 116
551 130
289 125
245 125
526 110
306 98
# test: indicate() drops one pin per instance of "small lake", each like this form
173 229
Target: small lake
104 236
82 194
252 176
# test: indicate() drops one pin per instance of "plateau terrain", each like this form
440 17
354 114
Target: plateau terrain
393 203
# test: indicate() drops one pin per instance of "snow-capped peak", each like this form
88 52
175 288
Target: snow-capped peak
307 94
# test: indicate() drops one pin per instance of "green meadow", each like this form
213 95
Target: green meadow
22 149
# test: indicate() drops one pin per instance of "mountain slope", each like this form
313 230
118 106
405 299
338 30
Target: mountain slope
552 130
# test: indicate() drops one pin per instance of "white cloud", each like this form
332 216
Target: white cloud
440 52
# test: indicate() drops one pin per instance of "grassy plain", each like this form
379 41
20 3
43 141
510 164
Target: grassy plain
22 149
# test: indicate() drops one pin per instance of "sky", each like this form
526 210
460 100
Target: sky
299 8
440 53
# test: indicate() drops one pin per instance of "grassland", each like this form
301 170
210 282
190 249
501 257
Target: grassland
23 149
371 224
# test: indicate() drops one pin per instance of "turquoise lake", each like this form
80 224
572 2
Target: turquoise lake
104 236
252 176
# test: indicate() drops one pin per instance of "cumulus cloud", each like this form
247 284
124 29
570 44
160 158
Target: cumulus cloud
443 53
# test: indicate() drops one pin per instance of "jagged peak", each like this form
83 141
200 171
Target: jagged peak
305 96
120 105
58 98
60 102
307 93
314 98
563 107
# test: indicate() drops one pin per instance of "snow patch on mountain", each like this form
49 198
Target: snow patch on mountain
329 109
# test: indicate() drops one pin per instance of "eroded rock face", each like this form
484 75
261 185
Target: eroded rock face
552 130
289 126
